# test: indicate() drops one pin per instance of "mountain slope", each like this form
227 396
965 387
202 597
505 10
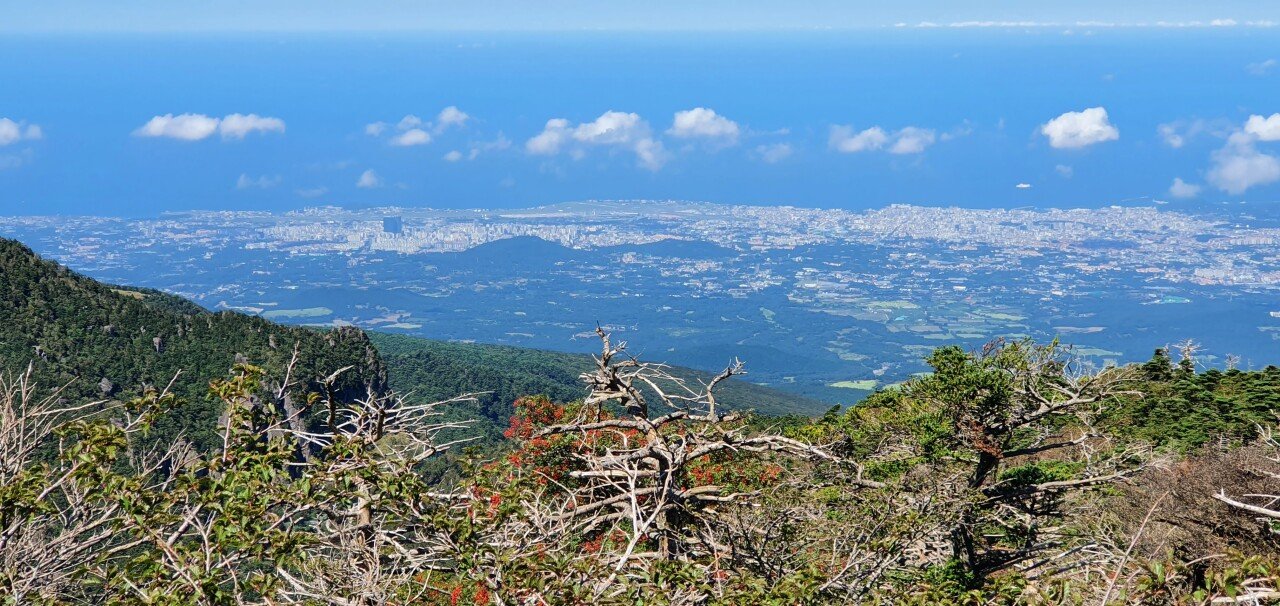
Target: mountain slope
107 342
435 370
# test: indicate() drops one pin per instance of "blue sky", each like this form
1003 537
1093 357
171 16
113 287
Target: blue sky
662 15
955 106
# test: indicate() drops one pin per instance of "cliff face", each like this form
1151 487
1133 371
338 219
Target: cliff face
103 342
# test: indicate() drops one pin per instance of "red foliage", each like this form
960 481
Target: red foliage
532 413
727 470
615 538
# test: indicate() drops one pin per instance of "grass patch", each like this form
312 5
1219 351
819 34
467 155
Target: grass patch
865 384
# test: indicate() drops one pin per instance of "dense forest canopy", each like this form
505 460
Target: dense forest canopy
108 342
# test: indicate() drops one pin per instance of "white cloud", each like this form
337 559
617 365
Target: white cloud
1261 68
612 128
1178 133
236 126
312 192
1092 24
369 180
13 132
1182 189
551 139
1170 135
1264 129
774 152
704 123
912 140
1239 166
1066 172
844 140
416 131
411 137
1022 186
187 127
263 182
412 128
650 153
194 127
618 130
964 130
499 144
450 116
479 147
1213 23
408 122
908 140
11 161
1002 24
1074 130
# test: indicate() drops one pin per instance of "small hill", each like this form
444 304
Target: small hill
107 342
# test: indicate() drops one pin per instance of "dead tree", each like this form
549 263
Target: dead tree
373 530
55 520
636 439
1265 507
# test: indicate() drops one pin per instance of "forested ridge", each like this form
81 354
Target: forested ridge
1014 474
499 375
105 342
